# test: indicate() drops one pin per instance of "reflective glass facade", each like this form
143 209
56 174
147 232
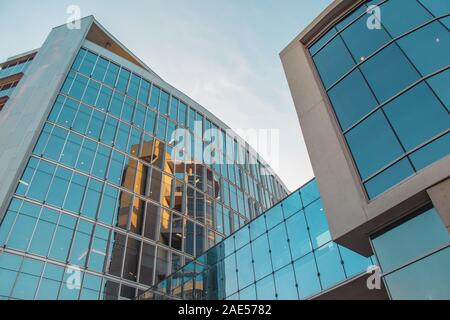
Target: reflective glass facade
415 257
286 254
386 72
102 195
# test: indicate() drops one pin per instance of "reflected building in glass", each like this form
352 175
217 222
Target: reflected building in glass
370 82
94 202
284 254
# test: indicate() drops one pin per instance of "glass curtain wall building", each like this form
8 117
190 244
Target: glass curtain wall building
370 81
101 195
389 87
285 254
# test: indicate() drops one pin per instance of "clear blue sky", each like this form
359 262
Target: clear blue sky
222 53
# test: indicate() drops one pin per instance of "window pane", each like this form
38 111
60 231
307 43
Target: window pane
147 264
307 276
433 152
43 234
351 99
162 264
230 275
373 144
393 16
131 264
265 289
63 238
434 50
417 116
286 284
108 207
363 41
329 264
389 72
41 181
317 221
81 241
354 263
92 199
333 61
279 247
98 252
439 84
389 178
75 193
59 187
416 282
71 150
116 253
298 234
244 267
410 240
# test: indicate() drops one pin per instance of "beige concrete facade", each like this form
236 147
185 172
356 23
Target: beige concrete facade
352 217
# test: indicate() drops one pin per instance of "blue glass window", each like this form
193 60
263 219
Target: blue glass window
354 263
139 116
286 284
134 86
393 16
329 264
104 98
410 240
388 178
100 69
279 247
434 50
111 74
439 84
82 119
122 82
333 61
22 231
41 181
78 87
144 91
109 130
437 8
58 188
69 155
389 72
307 276
244 266
86 157
88 63
128 109
95 125
265 289
261 257
150 120
108 205
352 99
116 104
417 116
43 235
373 144
416 282
75 193
318 225
92 199
363 41
432 152
63 238
154 97
91 93
298 234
